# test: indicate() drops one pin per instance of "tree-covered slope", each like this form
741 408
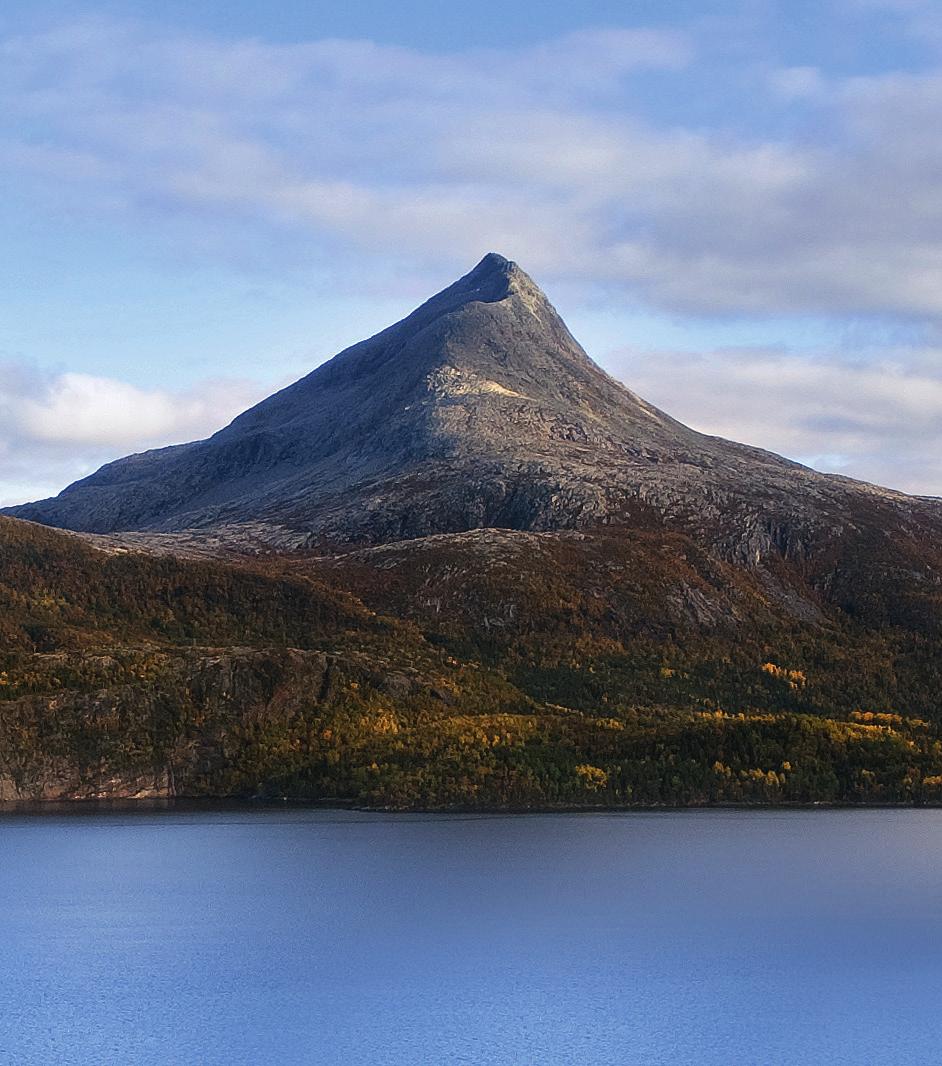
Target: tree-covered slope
533 672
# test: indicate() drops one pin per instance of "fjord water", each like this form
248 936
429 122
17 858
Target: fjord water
318 937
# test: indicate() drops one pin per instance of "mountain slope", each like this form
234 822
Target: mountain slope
553 669
509 582
126 674
477 410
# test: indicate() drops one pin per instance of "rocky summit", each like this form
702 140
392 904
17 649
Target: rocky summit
478 410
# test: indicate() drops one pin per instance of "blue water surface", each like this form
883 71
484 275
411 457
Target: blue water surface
315 937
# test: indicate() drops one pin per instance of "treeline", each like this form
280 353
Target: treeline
307 725
566 759
57 593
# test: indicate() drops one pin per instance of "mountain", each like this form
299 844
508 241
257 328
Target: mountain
460 566
477 410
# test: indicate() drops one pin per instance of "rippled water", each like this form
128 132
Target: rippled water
295 937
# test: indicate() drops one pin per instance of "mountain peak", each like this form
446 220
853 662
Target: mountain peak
495 278
497 270
477 409
494 261
493 266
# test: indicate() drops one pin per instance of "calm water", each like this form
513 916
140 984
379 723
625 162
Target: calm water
322 937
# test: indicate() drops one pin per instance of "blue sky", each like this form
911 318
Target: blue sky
735 206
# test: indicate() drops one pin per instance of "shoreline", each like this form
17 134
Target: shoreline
195 805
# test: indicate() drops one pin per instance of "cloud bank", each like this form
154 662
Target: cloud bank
879 421
547 152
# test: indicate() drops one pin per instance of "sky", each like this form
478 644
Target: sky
736 206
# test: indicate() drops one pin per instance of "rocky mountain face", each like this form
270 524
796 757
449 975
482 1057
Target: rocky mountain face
477 410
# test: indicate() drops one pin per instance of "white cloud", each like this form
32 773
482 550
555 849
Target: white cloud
540 152
84 410
877 421
55 429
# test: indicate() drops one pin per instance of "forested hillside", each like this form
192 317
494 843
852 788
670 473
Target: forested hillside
534 672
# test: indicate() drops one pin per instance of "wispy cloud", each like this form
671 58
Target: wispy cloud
540 151
878 420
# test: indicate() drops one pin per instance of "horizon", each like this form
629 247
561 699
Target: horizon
732 209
